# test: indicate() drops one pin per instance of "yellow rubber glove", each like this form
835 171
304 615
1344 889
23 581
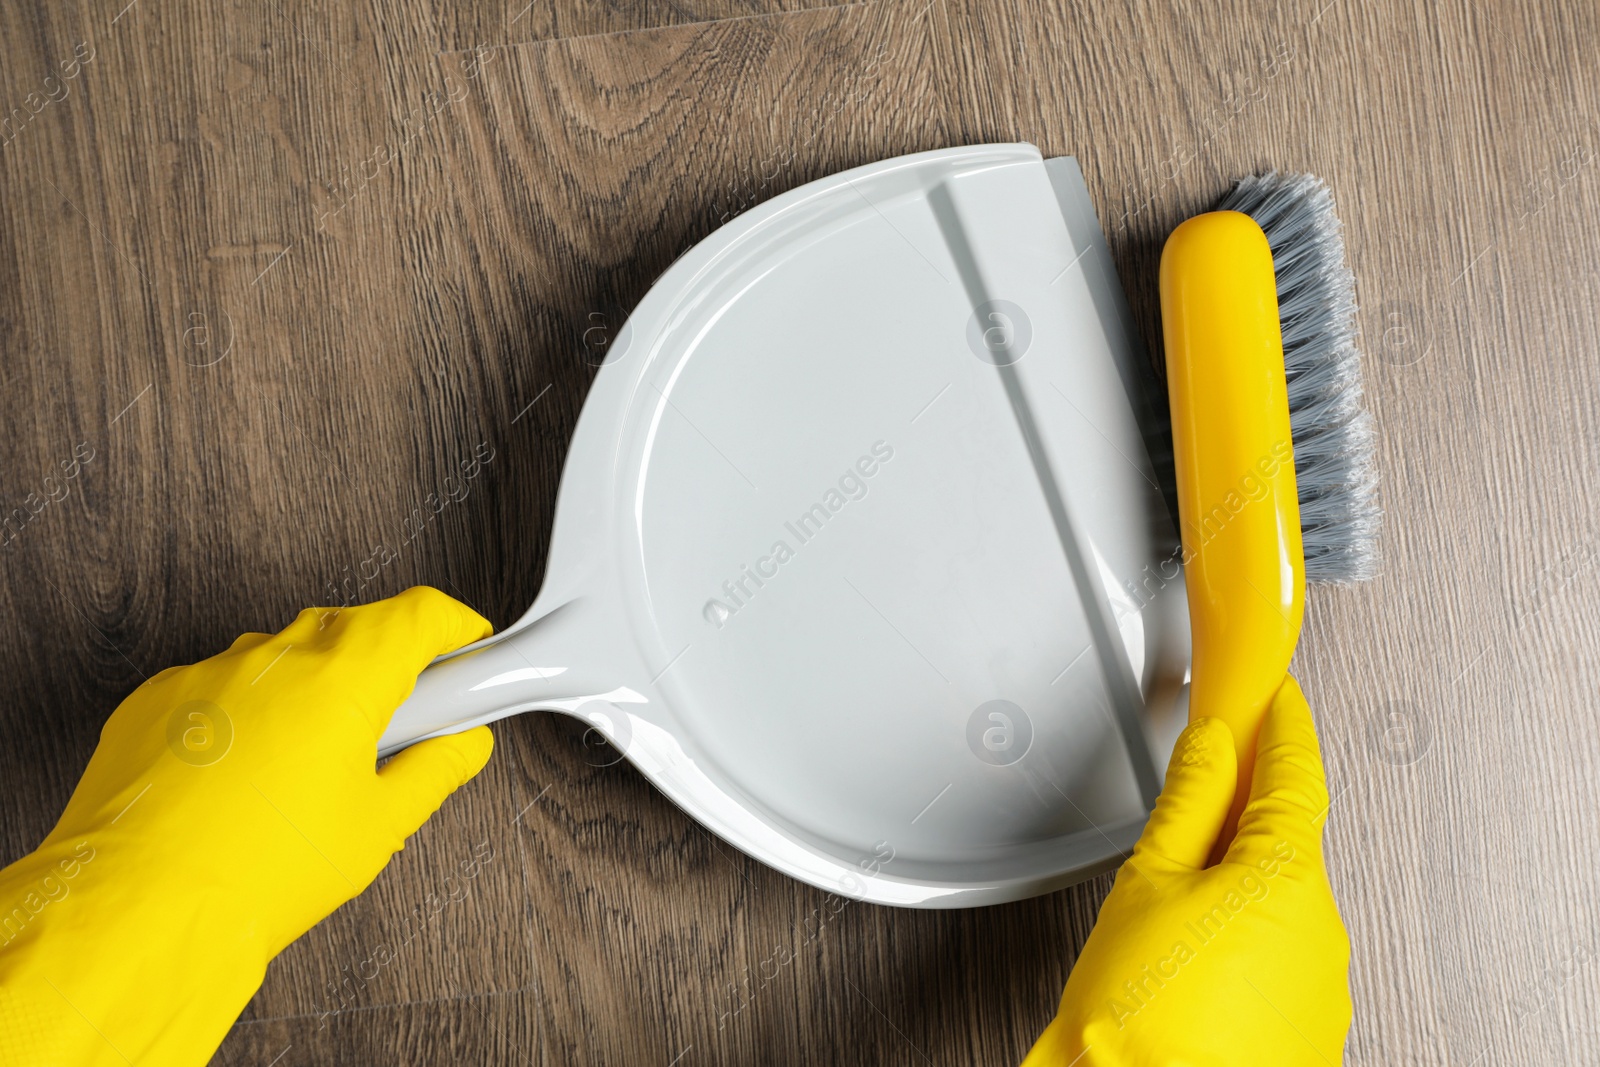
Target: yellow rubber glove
229 807
1241 964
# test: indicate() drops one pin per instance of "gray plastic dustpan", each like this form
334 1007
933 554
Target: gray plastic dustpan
859 554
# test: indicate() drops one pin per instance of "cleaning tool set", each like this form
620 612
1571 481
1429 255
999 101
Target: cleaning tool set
860 554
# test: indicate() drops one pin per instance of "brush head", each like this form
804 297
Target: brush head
1334 445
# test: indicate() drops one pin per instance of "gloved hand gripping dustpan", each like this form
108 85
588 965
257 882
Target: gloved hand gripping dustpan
859 554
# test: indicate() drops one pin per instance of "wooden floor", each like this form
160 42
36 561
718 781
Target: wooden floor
275 269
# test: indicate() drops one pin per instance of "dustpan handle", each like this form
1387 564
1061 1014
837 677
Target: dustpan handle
550 660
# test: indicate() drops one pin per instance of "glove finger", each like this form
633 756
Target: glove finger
248 641
1288 791
1194 801
394 639
420 778
411 627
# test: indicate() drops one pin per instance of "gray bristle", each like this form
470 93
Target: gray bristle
1334 445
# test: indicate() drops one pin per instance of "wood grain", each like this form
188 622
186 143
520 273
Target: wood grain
279 269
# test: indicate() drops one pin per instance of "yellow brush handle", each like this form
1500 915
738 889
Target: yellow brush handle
1238 508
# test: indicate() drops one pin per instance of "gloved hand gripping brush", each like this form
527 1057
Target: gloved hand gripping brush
1272 449
1220 948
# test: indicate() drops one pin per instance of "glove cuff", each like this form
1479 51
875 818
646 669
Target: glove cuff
106 965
